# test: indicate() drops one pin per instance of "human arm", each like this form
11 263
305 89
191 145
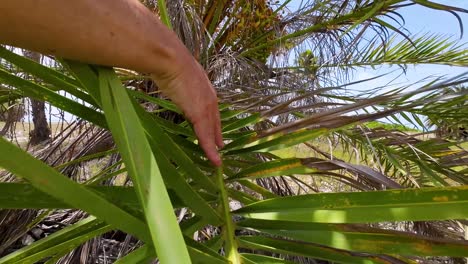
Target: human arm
121 33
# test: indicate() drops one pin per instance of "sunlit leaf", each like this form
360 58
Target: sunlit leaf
365 207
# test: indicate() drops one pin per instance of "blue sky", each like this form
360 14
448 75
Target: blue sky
419 20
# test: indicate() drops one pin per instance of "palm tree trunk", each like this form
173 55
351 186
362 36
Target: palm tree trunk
41 131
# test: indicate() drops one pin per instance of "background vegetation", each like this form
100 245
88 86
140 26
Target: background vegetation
312 173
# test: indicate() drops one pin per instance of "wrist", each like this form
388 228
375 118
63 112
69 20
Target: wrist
170 61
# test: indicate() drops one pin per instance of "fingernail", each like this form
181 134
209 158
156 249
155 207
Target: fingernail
217 161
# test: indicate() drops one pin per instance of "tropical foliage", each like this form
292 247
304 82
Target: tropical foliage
364 193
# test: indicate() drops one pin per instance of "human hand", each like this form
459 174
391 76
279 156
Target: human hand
190 89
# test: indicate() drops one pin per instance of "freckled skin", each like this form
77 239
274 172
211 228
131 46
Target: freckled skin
121 33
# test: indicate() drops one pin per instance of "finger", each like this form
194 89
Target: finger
217 126
205 134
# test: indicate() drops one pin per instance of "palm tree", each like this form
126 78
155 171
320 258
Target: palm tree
261 206
41 131
453 125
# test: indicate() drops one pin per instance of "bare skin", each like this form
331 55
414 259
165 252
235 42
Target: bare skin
121 33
